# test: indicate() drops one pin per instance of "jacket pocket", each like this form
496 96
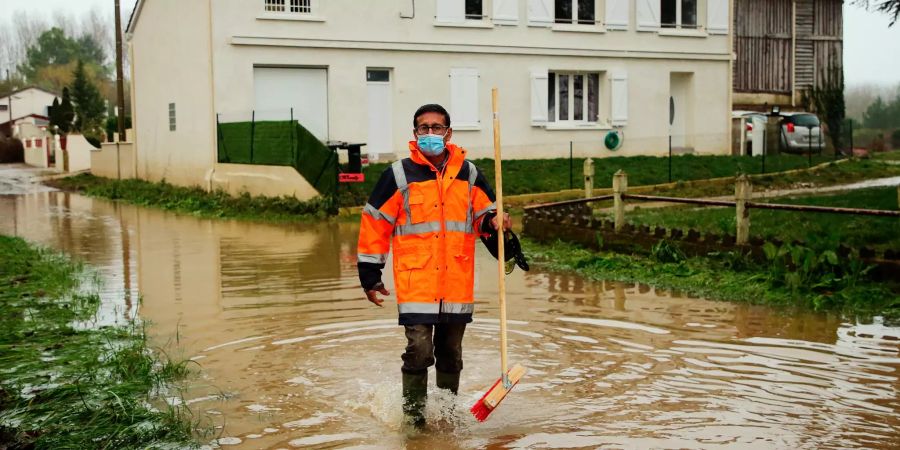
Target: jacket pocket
460 274
413 280
417 208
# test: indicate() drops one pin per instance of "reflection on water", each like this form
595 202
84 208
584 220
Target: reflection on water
292 356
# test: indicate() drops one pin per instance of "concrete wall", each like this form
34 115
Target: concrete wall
113 160
421 54
36 155
171 61
274 181
78 150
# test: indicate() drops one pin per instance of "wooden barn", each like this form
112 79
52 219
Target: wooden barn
784 47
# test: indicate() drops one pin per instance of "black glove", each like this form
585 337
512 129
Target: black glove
511 247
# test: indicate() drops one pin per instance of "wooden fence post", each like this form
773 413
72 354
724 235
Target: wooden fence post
620 186
742 191
588 178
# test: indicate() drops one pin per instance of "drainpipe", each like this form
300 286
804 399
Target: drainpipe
212 98
794 53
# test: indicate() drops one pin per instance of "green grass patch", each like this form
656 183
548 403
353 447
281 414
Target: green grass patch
197 202
68 387
729 276
820 231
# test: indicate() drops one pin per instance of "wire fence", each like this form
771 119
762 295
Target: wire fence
274 137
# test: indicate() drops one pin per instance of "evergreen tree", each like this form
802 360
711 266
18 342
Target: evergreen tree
54 114
89 108
877 115
66 112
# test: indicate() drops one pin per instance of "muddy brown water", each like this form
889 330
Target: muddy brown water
291 356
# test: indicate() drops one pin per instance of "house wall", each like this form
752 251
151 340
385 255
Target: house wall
421 54
171 61
29 101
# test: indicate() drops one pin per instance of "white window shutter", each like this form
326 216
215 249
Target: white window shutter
506 12
648 15
539 97
464 97
619 99
618 14
451 11
717 17
540 13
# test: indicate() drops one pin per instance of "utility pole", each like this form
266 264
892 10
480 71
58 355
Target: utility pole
120 82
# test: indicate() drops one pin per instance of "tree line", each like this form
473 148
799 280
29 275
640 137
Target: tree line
69 56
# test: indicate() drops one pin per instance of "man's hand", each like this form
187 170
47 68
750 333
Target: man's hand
507 222
372 295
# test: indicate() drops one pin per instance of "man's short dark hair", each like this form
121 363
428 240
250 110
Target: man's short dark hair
431 107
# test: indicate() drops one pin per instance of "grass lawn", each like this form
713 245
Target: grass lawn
66 386
818 230
549 175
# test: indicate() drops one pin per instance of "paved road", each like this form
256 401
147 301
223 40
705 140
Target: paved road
17 179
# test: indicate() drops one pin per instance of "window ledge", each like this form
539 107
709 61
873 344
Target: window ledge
289 16
471 127
467 24
553 126
682 32
573 28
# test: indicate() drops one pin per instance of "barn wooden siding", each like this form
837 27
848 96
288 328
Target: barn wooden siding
765 47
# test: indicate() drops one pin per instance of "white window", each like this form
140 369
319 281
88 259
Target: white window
573 97
171 117
575 11
464 98
289 6
678 14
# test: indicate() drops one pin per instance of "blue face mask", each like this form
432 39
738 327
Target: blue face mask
431 144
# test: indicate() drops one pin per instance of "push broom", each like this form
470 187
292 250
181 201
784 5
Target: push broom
508 378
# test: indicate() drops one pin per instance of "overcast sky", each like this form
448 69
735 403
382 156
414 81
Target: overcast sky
871 49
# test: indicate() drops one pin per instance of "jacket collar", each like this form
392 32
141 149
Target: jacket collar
454 162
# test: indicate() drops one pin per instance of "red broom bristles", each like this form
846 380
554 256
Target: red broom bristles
480 410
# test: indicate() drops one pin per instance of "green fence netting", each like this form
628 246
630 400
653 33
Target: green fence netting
279 143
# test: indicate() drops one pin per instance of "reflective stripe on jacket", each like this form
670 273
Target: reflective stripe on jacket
430 217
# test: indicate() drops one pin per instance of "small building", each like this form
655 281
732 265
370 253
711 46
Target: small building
27 105
784 48
568 71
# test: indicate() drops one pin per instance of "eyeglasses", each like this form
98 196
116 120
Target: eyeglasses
439 130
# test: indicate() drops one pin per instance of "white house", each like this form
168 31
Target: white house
27 105
351 70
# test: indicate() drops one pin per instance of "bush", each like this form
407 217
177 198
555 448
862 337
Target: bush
895 139
11 150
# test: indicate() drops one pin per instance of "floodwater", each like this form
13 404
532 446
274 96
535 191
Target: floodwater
290 355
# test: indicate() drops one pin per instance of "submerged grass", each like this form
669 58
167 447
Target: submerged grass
197 202
70 386
720 276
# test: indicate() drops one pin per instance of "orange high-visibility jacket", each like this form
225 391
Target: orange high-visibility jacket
431 218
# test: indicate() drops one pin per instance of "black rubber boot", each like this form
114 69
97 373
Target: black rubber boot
415 394
448 381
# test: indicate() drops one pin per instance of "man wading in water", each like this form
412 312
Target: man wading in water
431 207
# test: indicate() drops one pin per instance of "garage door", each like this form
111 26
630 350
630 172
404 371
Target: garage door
278 89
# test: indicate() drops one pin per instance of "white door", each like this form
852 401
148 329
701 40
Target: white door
278 89
380 113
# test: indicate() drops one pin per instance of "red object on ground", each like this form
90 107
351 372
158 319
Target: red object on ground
351 177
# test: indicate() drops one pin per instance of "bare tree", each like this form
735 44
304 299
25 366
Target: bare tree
99 26
889 7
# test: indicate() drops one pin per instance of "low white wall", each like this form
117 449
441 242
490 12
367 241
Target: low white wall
79 151
271 181
113 160
36 155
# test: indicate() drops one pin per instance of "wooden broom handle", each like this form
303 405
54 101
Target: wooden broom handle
501 269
